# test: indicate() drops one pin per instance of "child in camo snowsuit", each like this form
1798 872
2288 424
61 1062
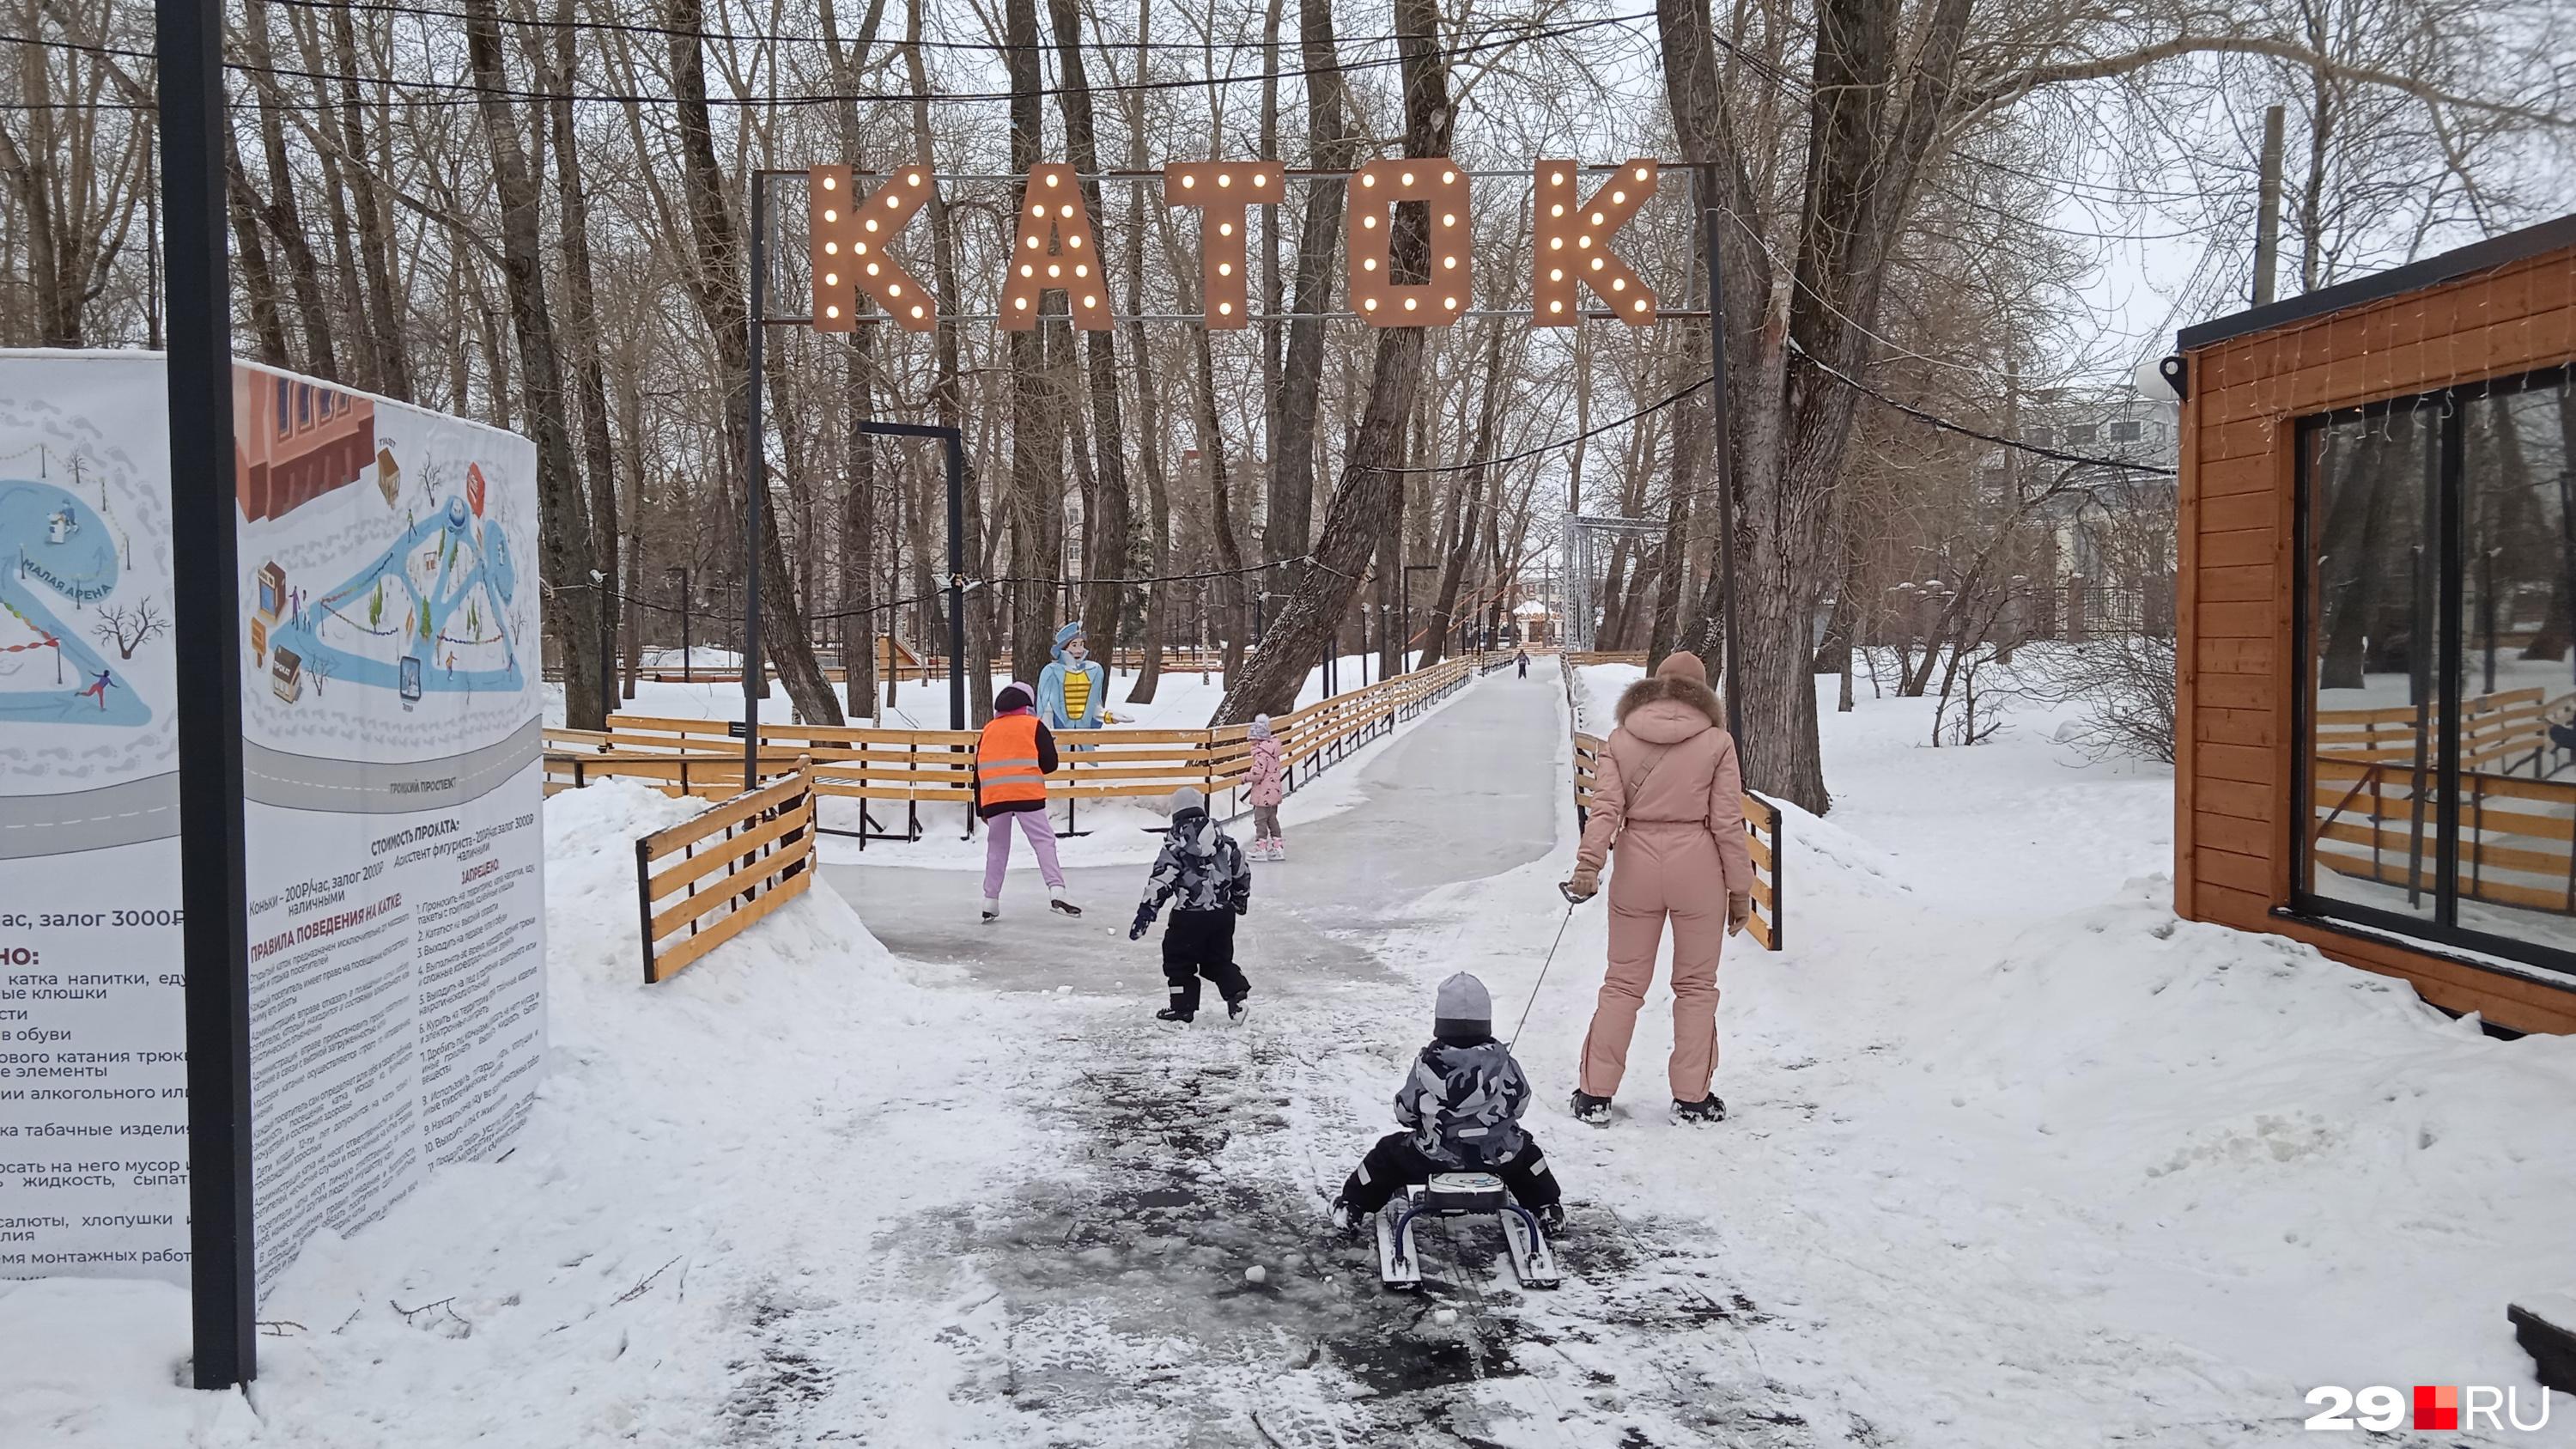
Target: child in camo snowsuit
1202 872
1462 1106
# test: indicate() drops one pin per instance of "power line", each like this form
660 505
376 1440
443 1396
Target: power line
1947 426
468 89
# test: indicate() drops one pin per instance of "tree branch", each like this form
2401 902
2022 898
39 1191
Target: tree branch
2011 88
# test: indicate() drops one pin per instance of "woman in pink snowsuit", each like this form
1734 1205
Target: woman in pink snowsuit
1668 795
1265 785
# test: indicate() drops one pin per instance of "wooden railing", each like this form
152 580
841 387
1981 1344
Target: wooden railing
1762 819
1762 838
722 871
1577 658
2507 731
914 768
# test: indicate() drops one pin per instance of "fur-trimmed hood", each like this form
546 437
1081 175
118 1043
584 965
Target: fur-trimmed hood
1666 710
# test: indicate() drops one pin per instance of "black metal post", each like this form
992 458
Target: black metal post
607 645
205 578
955 441
1723 449
684 624
753 676
956 578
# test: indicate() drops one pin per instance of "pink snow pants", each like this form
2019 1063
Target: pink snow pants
997 848
1661 869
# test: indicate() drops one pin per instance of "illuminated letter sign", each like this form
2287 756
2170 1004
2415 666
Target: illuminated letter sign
1054 250
1221 190
1573 245
848 240
1437 181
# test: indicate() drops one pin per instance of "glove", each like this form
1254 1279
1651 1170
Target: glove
1586 883
1739 909
1144 920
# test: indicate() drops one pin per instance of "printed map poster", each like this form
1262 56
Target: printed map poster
391 714
93 1071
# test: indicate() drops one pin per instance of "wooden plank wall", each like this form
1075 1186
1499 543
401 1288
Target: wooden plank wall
2237 659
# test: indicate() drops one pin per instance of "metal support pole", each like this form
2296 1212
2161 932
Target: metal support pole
206 582
2267 225
956 578
1722 448
753 677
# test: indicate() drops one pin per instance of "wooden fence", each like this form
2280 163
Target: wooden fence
2378 804
722 871
914 768
1762 819
1762 837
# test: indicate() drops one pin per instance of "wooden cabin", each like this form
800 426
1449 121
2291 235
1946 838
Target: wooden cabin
2375 744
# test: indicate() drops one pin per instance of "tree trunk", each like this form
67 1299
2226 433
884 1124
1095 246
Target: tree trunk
944 389
564 534
258 283
375 249
285 222
1037 434
859 624
581 312
1105 517
1369 493
1331 146
716 280
1149 420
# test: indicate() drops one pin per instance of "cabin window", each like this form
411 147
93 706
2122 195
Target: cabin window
2438 716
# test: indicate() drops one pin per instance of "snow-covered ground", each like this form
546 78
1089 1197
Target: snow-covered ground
2016 1158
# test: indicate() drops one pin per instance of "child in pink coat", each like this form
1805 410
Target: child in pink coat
1265 788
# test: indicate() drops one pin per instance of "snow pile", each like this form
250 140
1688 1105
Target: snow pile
785 1097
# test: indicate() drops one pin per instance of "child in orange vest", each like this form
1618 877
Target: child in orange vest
1013 757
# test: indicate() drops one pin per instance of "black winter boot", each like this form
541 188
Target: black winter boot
1174 1013
1709 1109
1591 1109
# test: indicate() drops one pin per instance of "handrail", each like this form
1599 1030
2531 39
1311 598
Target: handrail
745 858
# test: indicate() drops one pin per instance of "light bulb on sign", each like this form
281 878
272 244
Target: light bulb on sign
1225 228
1556 178
1225 309
1033 243
830 215
1091 301
859 247
894 203
1450 302
1066 210
872 226
828 184
913 179
1371 304
1556 274
872 269
1258 179
1225 178
1596 264
1448 176
1368 180
1617 198
1189 181
1368 264
1556 306
1449 262
1073 241
1225 269
1082 271
1038 210
1641 304
1408 178
831 279
1020 302
1641 173
1368 221
1408 304
1597 218
1053 179
833 249
894 289
1448 218
1054 270
1027 271
916 311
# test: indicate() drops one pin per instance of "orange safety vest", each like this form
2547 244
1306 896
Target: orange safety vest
1006 761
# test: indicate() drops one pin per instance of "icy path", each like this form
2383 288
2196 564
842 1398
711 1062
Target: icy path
1104 1300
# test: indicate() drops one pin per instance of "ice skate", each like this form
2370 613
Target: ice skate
1174 1014
1278 849
1711 1108
1058 904
992 909
1236 1011
1590 1109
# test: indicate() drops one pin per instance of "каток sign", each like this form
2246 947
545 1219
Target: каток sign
1056 247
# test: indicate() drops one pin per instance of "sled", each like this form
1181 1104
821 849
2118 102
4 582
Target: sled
1460 1195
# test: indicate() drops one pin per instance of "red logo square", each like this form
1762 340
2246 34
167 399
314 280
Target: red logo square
2437 1406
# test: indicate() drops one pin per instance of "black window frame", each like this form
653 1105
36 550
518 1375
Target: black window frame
2447 516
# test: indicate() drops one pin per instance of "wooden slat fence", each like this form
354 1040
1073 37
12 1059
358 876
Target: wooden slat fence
701 883
1762 824
914 768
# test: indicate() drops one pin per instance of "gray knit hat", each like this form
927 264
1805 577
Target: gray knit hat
1187 798
1464 1008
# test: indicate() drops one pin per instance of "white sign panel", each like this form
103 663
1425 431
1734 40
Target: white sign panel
391 715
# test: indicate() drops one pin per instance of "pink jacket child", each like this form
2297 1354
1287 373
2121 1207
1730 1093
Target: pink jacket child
1669 798
1265 786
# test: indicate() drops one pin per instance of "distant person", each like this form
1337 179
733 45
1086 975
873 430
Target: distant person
1668 796
1521 658
1013 757
1265 787
1201 872
1461 1107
